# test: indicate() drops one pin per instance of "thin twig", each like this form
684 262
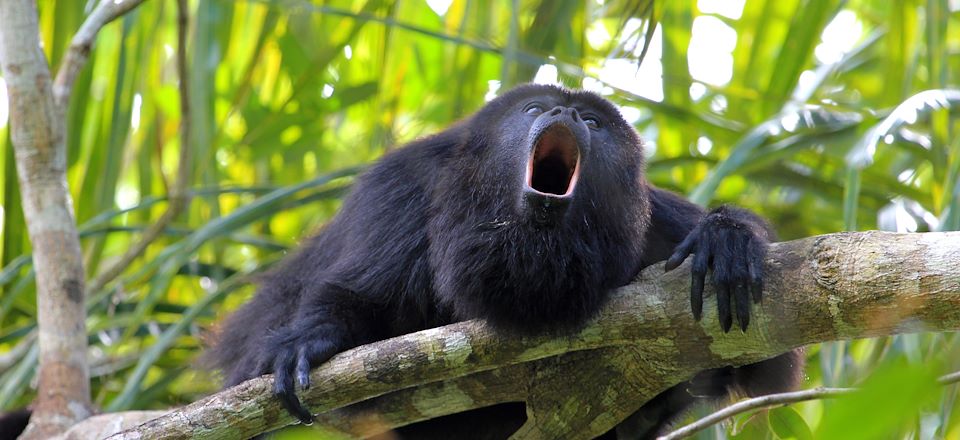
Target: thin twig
79 51
772 400
179 197
948 379
755 403
179 191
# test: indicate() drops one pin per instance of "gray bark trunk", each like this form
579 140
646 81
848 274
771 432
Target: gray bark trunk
37 129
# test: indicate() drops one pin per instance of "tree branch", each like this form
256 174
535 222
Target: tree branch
772 400
37 131
38 134
948 379
752 404
82 42
831 287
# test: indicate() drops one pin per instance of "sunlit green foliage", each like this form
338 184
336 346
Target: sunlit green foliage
823 115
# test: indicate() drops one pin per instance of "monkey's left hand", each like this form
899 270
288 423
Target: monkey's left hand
732 243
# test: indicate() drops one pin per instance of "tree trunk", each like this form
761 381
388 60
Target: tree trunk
37 129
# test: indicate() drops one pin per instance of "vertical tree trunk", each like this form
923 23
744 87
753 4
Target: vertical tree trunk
37 128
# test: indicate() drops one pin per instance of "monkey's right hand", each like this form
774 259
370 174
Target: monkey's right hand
290 354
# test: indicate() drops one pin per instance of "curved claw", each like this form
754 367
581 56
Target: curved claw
742 299
293 364
698 272
755 270
285 390
674 261
696 295
681 252
723 307
756 289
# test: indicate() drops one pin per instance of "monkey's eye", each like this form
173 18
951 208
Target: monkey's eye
533 109
592 122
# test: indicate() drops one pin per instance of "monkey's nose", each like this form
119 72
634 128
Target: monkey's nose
566 111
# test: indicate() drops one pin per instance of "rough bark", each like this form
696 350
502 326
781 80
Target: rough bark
103 425
37 129
825 288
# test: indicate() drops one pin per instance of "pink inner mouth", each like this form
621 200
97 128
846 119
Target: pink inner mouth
554 166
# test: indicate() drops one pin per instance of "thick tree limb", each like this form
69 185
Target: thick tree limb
825 288
37 129
103 425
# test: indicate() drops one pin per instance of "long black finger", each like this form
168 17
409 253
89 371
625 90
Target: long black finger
756 289
311 354
724 263
698 273
742 299
284 390
681 252
723 307
755 269
696 294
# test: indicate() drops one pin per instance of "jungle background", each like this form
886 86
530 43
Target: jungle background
821 115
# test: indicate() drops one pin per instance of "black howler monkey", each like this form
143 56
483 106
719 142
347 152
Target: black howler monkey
525 214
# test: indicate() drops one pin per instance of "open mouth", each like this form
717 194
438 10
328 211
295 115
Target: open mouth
554 165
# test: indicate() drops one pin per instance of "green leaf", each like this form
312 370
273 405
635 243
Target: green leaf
890 399
786 423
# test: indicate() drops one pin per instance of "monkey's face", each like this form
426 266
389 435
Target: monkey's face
562 150
542 207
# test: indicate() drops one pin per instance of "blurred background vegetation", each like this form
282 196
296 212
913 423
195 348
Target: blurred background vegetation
822 115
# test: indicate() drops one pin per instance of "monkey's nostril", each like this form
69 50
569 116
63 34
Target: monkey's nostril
556 111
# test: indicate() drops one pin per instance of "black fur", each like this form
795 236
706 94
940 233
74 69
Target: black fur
450 228
13 423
